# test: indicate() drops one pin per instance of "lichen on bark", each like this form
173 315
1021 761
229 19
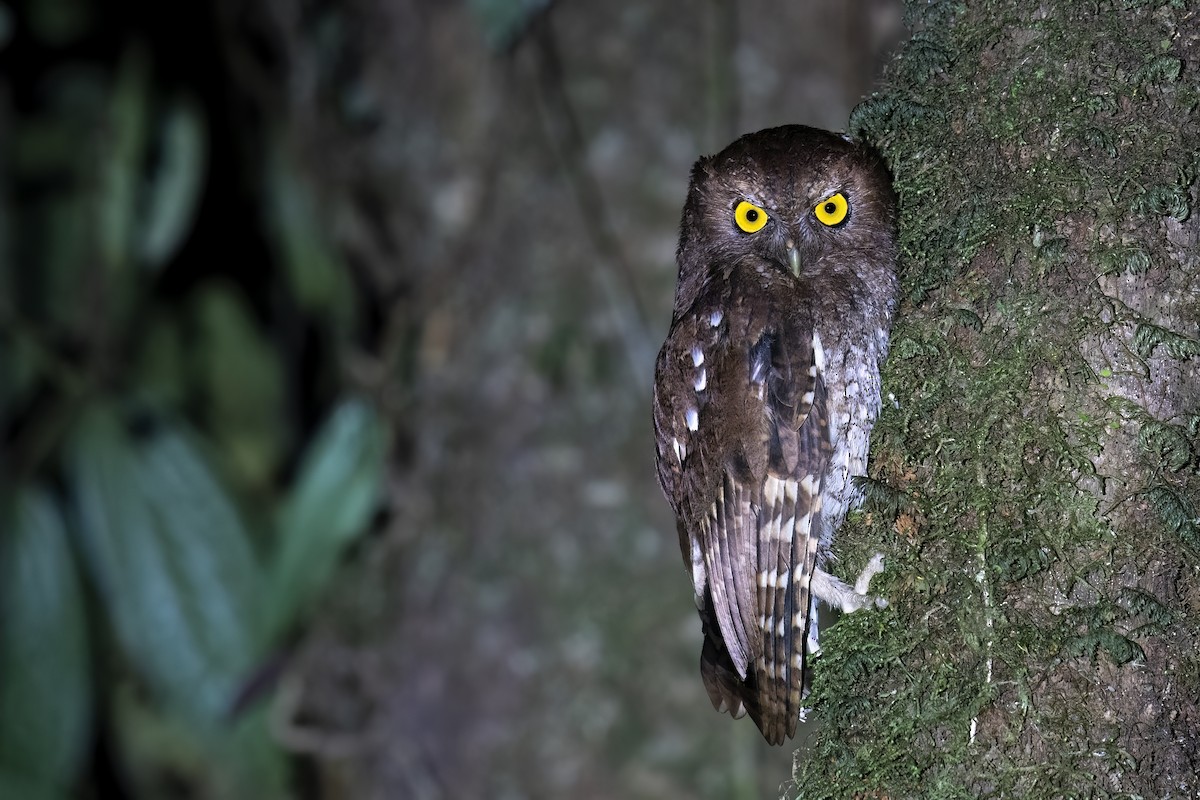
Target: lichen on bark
1036 478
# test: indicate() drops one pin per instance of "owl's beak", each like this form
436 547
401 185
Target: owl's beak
793 256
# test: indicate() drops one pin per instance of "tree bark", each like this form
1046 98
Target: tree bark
1034 474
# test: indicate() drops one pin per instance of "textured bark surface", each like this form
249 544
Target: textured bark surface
1037 475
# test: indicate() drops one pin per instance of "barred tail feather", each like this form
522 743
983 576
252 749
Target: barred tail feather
783 580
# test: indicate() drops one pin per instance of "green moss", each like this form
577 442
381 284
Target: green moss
1035 150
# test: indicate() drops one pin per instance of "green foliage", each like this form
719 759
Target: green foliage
149 422
1164 201
1099 634
173 189
120 171
1148 337
170 559
1169 444
1177 514
1132 259
16 785
190 608
334 495
46 691
882 498
240 377
315 273
1158 617
1159 69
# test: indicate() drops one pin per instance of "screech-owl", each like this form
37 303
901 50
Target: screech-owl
765 393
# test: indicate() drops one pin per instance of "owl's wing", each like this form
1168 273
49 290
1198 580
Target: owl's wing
689 460
713 509
798 453
742 442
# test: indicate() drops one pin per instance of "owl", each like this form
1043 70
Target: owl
765 393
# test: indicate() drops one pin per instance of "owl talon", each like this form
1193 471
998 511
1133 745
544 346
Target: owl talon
863 584
837 594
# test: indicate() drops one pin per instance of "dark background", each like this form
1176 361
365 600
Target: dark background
229 219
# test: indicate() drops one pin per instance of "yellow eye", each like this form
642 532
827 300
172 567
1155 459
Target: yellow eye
832 210
749 217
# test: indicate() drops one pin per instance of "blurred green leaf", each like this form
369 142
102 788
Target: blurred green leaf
16 786
163 359
52 156
171 561
173 191
335 493
260 768
46 689
122 162
239 760
242 385
317 276
503 21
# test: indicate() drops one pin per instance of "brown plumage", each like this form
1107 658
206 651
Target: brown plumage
765 393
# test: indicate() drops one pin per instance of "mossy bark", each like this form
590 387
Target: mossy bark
1035 473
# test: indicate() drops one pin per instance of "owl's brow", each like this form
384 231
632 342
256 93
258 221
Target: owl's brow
750 195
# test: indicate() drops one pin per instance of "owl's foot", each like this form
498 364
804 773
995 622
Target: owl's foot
835 593
847 599
862 585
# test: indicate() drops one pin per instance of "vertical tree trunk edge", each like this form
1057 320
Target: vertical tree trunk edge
1035 473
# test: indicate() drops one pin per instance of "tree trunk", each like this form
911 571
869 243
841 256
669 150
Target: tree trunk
1035 471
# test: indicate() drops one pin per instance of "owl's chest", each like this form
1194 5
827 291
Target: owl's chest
852 376
854 402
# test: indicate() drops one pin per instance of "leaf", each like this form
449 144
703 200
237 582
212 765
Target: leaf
242 384
18 786
1148 337
122 160
173 192
329 506
313 268
1176 513
46 689
171 561
1159 69
1167 443
237 760
54 283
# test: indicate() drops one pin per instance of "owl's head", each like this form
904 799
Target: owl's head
809 202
